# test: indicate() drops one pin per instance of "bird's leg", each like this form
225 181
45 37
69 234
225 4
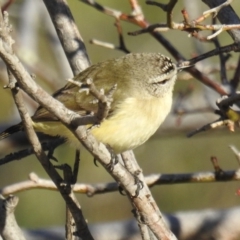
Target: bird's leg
114 159
131 165
50 154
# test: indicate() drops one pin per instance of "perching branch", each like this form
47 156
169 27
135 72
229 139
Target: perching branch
35 182
6 43
9 229
148 211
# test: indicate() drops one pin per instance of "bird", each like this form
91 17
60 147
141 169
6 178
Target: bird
140 103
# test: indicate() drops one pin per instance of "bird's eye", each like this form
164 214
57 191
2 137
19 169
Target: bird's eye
161 82
164 81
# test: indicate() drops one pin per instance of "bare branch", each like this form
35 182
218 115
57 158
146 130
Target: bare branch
224 49
236 152
226 16
149 211
141 22
215 11
9 229
68 34
29 151
223 59
152 180
81 224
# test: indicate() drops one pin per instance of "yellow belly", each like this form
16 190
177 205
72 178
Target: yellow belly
125 130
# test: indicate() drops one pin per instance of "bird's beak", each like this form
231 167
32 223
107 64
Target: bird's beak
181 66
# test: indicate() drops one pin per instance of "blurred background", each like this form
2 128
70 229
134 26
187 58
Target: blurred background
168 151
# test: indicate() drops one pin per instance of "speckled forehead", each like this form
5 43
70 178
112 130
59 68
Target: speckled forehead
167 65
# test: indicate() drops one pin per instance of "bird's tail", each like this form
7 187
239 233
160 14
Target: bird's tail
9 131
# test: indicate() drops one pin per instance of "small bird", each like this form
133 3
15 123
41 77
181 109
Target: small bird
140 103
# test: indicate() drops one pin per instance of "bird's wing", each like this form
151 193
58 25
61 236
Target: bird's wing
67 96
80 102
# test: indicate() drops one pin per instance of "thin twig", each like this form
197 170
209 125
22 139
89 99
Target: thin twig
222 59
140 21
226 16
215 11
167 8
22 154
236 153
6 5
35 182
215 124
224 49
